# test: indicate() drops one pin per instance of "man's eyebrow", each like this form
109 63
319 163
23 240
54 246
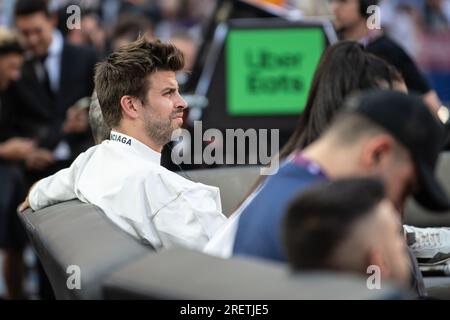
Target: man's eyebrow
170 88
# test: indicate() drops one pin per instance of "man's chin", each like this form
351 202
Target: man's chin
177 123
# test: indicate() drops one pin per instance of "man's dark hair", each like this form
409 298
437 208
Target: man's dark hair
319 219
27 7
126 71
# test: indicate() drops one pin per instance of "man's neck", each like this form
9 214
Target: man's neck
334 161
140 136
357 32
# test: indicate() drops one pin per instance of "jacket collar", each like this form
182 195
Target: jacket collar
136 145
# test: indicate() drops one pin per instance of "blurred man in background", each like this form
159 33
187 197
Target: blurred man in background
351 23
369 138
43 101
55 76
13 150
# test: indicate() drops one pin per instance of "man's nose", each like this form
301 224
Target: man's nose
181 103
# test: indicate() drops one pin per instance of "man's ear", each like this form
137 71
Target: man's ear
129 107
375 150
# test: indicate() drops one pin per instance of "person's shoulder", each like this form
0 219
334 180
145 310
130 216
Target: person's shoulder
79 52
384 43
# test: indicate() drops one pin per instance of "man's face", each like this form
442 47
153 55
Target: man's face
391 243
37 30
346 13
163 109
10 68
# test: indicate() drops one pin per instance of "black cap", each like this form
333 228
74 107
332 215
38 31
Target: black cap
408 119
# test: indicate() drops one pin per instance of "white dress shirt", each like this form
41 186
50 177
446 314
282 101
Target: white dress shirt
124 178
53 60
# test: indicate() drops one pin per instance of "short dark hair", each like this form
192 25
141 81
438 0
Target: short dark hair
27 7
125 72
319 219
348 127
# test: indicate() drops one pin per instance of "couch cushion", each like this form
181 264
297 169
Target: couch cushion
234 183
185 274
78 234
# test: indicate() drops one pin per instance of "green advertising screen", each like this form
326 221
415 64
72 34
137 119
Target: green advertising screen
269 71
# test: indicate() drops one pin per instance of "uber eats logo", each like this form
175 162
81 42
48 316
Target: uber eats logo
269 71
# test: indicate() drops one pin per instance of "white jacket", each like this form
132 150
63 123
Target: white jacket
124 178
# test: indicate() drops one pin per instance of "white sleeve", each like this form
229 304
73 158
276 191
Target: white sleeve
191 218
56 188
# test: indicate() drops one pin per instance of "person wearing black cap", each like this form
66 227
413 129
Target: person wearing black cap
383 134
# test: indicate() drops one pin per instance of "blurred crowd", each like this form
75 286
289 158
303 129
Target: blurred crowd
421 27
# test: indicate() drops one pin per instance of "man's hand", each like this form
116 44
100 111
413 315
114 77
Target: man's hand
16 149
23 206
26 203
76 120
39 159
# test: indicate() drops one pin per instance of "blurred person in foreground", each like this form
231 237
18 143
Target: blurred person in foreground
374 135
345 68
346 225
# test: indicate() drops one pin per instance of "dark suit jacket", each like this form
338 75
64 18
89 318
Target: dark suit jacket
39 116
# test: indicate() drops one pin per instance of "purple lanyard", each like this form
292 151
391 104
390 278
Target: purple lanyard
312 167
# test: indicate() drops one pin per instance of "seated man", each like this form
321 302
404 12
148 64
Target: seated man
140 101
347 225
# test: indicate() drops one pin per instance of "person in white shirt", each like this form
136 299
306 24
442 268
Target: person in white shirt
140 101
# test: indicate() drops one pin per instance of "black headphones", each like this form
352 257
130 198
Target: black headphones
364 5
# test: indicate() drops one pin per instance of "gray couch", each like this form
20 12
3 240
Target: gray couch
114 265
77 234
